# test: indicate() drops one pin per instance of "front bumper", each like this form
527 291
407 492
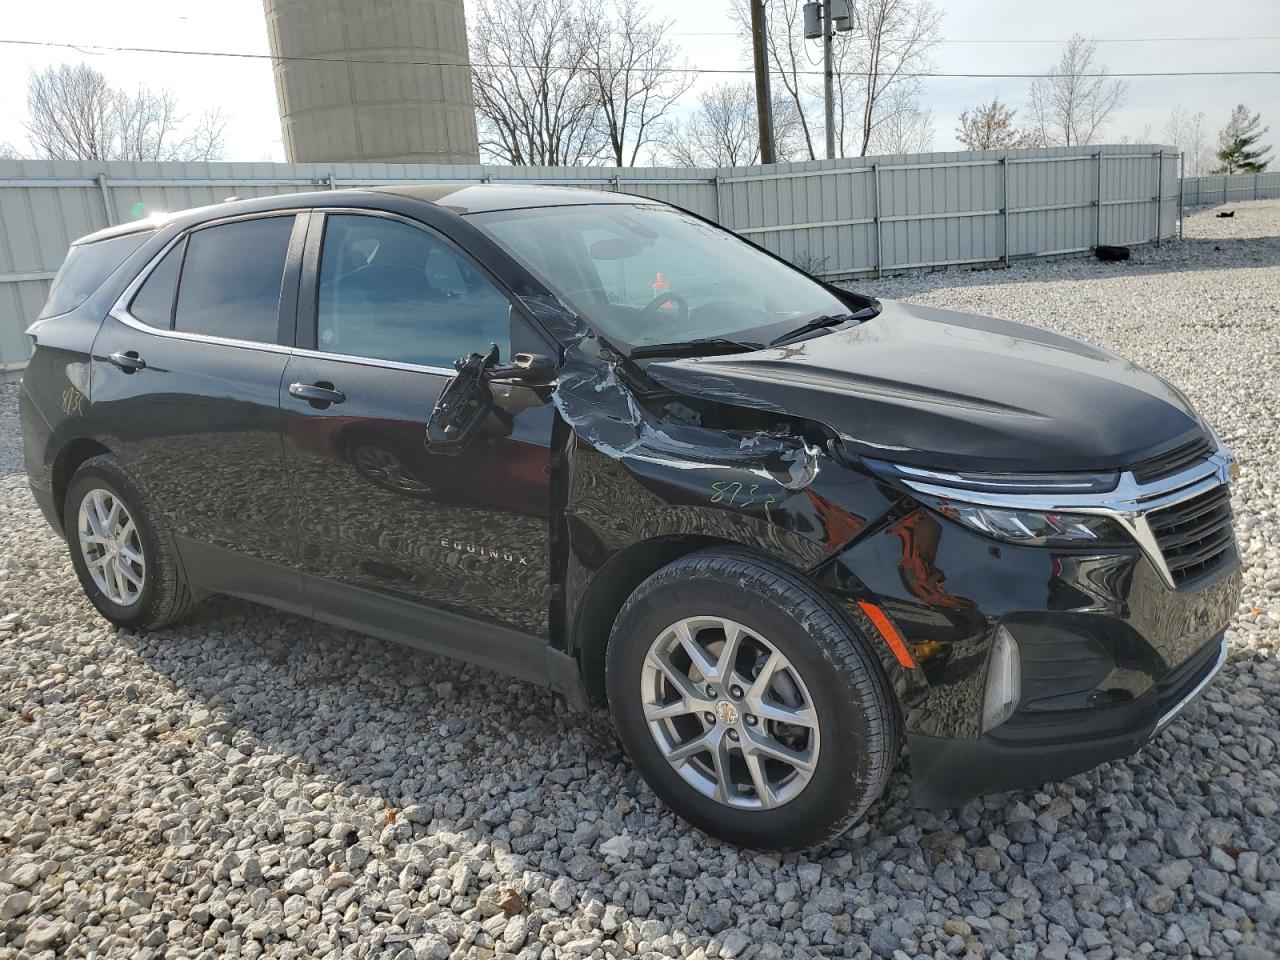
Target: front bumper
947 772
1109 652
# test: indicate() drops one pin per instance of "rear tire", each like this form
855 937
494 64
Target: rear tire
122 551
838 753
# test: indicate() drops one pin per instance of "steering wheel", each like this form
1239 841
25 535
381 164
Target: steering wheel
653 306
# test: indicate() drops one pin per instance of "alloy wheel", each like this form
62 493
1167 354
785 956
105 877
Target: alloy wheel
386 469
112 547
730 713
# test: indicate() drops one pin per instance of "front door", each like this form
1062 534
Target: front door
381 520
186 384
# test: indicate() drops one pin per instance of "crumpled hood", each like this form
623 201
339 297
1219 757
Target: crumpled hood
939 388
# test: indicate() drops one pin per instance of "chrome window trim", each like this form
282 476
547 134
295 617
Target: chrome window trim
1129 504
1171 714
120 312
123 316
374 362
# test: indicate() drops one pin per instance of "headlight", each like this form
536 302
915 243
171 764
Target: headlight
1033 528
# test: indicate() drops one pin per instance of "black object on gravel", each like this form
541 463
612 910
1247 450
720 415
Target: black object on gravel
1106 252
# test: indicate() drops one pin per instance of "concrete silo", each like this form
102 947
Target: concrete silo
340 100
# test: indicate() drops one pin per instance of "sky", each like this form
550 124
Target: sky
245 91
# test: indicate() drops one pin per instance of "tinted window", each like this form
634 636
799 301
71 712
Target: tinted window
86 266
231 279
391 291
153 303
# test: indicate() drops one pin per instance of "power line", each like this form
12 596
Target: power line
1115 40
998 40
97 49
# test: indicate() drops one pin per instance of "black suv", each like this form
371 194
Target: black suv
772 525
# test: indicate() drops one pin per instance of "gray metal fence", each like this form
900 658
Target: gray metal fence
836 218
1221 188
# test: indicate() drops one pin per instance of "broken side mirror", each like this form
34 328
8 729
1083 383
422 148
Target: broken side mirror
524 368
463 405
467 400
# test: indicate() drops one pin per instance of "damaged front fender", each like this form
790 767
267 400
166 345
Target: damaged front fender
645 463
644 472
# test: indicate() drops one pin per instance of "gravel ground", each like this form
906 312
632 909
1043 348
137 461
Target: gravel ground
10 435
255 784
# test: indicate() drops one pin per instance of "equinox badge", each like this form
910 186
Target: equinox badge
489 553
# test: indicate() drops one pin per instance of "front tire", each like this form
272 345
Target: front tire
121 550
750 705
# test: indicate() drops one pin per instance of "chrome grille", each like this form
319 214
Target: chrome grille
1172 461
1195 535
1182 520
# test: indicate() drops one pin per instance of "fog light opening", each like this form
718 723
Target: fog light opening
1004 681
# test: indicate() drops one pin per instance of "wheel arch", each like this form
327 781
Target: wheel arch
613 583
73 453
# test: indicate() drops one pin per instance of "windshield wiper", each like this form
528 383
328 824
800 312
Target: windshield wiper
819 323
703 346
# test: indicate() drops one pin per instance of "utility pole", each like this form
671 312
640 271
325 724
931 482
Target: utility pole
764 105
822 20
828 79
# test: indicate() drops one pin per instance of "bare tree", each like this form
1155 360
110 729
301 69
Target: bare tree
536 101
875 68
1142 136
75 114
721 132
205 140
790 62
789 142
992 126
1187 132
145 124
1071 104
71 113
633 65
906 126
8 151
893 42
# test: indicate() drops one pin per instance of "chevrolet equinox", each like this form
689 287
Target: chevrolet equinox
775 527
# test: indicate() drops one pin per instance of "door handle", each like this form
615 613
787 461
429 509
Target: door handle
319 395
128 361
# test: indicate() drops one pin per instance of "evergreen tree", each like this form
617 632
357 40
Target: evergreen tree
1238 147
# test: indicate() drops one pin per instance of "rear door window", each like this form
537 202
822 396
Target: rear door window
231 278
86 266
153 303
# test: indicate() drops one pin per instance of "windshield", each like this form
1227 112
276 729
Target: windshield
645 275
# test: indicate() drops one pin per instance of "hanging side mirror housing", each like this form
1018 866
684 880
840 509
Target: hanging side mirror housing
464 403
524 368
467 400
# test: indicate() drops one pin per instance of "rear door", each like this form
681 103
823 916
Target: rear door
186 385
387 306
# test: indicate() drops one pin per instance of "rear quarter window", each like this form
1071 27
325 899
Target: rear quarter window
231 279
153 304
84 269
